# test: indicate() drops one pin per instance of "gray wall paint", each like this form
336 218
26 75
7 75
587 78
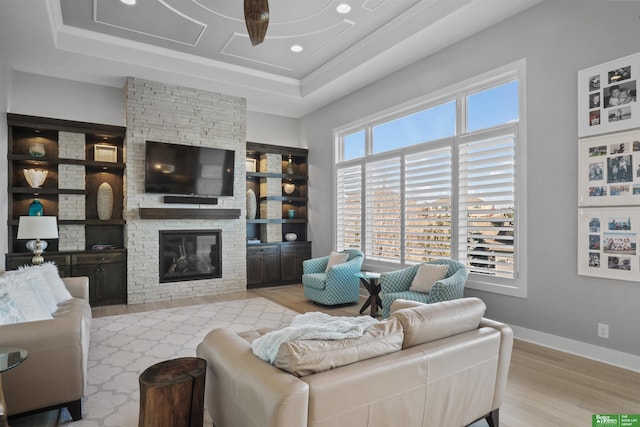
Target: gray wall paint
37 95
557 39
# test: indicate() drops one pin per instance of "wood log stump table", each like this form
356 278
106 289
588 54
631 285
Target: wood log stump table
172 393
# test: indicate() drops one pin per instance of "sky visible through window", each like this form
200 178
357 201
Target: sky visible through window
492 107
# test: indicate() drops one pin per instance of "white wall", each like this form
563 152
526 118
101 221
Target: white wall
557 39
37 95
275 130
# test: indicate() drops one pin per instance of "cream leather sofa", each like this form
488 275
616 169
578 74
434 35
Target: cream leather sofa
55 371
451 371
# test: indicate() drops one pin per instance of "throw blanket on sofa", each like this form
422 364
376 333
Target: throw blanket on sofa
310 326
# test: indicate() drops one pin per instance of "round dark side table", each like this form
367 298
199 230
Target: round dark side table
370 282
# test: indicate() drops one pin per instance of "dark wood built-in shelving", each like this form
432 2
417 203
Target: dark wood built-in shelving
107 272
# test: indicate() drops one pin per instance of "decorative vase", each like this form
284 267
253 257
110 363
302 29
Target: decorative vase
35 208
35 177
291 213
291 169
37 149
31 245
290 237
105 201
289 188
252 204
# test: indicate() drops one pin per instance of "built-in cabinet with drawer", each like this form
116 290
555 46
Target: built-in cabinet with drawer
277 242
80 161
291 257
276 264
105 271
263 264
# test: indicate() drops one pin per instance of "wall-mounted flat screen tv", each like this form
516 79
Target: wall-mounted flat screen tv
185 169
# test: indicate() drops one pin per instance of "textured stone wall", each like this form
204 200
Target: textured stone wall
180 115
71 145
271 209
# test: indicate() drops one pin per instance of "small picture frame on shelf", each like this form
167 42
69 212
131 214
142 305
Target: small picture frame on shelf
105 153
250 165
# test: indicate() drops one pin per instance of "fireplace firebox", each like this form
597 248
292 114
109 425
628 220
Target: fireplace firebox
190 255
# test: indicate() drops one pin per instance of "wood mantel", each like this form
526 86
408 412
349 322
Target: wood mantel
177 213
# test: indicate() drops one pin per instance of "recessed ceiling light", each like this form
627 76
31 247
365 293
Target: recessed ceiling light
296 48
343 8
129 2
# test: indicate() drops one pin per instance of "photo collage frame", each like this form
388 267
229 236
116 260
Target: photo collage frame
608 243
609 170
607 97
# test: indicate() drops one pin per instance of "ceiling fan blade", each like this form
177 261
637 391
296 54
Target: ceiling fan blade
256 17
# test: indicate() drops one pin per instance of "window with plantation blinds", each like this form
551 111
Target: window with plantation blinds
349 207
427 204
487 205
440 180
383 210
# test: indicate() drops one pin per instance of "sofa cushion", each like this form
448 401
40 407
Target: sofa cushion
430 322
336 258
427 275
316 280
306 357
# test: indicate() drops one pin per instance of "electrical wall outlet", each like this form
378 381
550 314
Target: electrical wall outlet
603 330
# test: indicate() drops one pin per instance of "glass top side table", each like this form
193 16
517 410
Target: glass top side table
11 357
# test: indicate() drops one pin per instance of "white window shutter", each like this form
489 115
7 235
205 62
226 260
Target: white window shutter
349 207
383 210
428 187
487 206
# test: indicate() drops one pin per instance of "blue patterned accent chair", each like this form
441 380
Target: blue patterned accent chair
337 286
395 285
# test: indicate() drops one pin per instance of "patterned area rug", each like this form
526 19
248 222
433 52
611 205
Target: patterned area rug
125 345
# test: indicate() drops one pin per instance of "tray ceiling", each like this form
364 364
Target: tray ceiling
204 43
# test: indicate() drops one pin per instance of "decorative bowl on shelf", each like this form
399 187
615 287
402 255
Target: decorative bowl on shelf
289 187
37 149
290 237
35 177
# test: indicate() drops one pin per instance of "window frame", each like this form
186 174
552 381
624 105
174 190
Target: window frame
516 286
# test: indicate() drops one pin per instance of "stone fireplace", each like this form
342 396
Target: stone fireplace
189 255
181 115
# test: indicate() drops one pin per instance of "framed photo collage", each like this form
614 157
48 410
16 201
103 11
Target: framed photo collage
609 170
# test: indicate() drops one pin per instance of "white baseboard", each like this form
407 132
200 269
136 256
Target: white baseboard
578 348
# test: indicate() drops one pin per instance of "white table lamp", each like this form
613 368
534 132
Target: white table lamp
37 227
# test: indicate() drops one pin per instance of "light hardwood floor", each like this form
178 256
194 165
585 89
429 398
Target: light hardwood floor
545 387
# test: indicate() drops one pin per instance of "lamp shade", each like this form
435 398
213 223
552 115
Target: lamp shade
37 227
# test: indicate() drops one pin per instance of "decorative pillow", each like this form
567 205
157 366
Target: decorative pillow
51 274
336 258
38 282
427 275
306 357
25 298
9 313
